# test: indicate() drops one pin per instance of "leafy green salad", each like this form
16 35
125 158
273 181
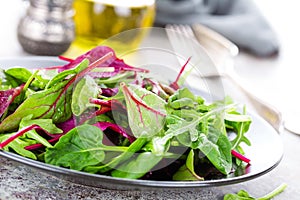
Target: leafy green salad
99 115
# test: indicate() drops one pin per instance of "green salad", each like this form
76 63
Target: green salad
99 115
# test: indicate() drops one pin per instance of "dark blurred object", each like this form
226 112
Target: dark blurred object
47 28
238 20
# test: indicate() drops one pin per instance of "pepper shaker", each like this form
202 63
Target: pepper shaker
47 28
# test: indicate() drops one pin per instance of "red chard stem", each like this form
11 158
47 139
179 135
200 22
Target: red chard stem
240 156
65 58
175 85
18 134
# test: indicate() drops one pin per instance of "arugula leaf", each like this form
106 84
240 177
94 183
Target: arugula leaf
240 123
244 195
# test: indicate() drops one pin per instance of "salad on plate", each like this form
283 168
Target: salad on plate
99 115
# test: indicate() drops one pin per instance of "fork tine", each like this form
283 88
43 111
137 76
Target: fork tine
185 30
182 37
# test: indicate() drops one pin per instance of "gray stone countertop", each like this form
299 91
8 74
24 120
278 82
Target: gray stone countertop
18 181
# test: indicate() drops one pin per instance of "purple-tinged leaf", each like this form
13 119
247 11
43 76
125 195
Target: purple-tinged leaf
51 103
98 52
7 97
67 125
108 125
109 92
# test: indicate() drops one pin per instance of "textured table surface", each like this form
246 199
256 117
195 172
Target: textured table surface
22 182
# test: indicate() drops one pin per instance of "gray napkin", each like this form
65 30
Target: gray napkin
238 20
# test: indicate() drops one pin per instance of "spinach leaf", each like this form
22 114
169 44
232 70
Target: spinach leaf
218 152
131 150
22 74
241 195
79 148
137 166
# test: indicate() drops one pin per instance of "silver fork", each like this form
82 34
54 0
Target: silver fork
222 51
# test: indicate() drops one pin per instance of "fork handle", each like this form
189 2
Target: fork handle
220 49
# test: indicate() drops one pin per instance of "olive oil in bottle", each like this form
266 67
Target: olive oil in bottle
98 22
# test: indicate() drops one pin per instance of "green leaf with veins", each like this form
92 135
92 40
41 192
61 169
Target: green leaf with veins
85 89
146 111
79 148
52 103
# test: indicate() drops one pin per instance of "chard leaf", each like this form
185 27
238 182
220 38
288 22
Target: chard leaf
146 111
121 77
85 89
45 124
187 172
51 103
137 167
